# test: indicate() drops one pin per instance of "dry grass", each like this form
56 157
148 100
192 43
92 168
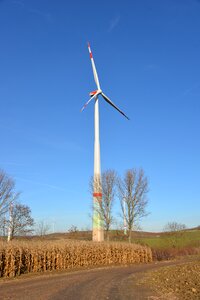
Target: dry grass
172 253
20 257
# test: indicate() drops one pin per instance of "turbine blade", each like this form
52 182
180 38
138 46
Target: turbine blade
113 105
96 79
84 106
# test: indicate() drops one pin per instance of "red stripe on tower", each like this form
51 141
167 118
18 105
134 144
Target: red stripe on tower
97 194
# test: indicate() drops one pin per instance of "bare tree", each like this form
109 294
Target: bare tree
42 228
3 226
175 232
7 192
20 221
133 190
174 227
105 204
73 229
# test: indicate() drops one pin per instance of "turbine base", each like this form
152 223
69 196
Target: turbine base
98 235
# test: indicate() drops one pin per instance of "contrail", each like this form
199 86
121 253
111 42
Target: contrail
113 23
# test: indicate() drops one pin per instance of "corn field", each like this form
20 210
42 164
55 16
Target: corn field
20 257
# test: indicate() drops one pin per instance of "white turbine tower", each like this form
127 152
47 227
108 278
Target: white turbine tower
98 233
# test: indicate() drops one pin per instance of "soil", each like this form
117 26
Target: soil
176 282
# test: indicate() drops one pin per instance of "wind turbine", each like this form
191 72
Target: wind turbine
98 233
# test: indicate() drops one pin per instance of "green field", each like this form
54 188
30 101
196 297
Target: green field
179 240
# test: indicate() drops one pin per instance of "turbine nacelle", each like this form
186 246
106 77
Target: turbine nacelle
97 92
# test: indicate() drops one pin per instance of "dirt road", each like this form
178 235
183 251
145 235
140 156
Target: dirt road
103 283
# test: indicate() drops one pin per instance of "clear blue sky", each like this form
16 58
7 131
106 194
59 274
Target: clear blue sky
147 55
